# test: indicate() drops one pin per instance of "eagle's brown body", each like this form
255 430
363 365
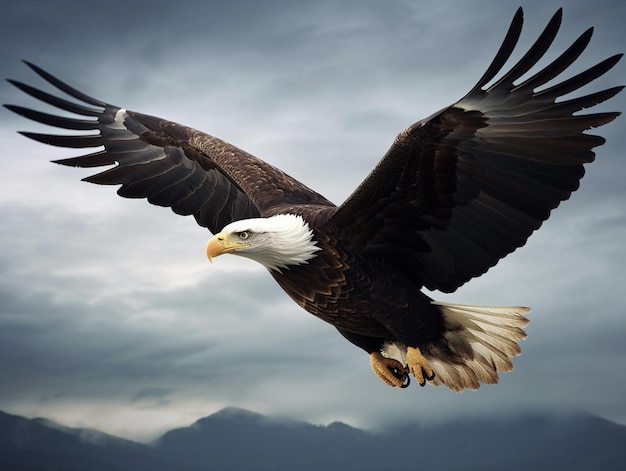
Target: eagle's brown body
364 295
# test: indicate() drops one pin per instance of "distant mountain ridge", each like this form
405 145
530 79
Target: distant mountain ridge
237 439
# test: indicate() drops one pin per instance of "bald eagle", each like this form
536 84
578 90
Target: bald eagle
454 194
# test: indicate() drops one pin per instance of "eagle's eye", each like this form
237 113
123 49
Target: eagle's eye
243 235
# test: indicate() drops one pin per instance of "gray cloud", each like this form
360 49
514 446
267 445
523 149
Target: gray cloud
110 315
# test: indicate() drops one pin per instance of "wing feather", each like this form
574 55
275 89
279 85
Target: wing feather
470 184
169 164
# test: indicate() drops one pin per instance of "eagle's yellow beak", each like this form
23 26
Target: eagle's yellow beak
220 244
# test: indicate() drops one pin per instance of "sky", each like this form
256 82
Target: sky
110 315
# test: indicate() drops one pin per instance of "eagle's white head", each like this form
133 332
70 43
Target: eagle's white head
276 242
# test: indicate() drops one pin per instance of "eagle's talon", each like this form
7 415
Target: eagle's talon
426 377
402 374
419 366
390 371
407 381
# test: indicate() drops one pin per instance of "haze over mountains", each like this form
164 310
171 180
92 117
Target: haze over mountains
237 439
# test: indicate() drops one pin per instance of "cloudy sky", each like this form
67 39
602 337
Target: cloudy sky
110 315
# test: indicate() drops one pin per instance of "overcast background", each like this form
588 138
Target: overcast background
110 315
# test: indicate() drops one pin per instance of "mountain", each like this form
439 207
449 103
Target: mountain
40 444
235 439
239 439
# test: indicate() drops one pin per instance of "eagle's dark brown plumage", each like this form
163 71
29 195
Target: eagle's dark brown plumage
454 194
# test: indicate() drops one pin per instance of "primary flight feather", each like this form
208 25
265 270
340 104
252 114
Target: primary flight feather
454 194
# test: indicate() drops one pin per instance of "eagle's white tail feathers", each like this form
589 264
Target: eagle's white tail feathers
482 339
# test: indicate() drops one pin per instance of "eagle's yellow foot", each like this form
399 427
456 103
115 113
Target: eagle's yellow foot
418 366
391 371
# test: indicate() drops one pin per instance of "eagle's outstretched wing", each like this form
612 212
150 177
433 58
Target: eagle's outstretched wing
461 189
167 163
